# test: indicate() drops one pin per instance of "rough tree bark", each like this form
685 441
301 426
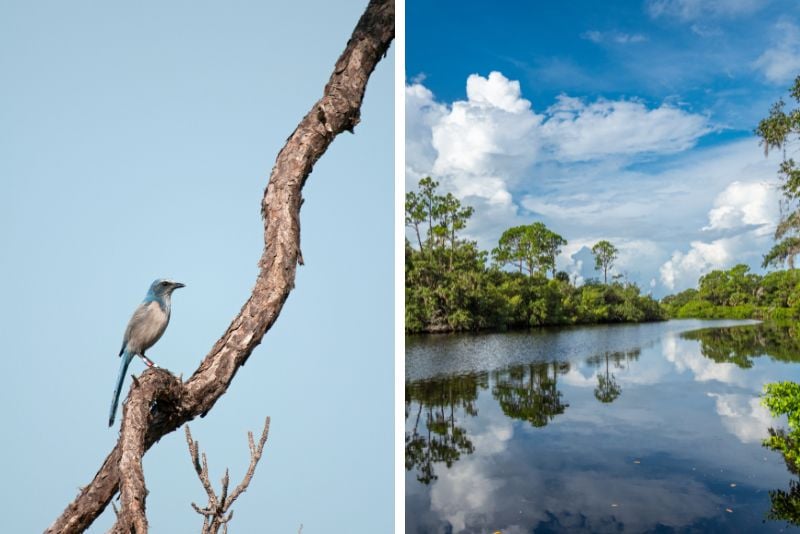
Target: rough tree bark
177 402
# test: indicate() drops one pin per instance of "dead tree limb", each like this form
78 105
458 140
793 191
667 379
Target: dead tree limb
132 489
217 513
170 402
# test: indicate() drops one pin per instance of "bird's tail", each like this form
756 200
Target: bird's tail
126 358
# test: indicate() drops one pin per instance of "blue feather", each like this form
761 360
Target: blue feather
123 368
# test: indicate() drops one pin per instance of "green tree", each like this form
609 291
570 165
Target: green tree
783 398
779 129
551 244
534 247
448 286
784 251
562 276
510 249
416 214
531 247
605 254
430 202
451 217
733 287
739 294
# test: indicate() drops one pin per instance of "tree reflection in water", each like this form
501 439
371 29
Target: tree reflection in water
740 344
530 392
442 439
785 505
443 427
608 389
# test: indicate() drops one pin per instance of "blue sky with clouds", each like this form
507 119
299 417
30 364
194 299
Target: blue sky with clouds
631 123
135 142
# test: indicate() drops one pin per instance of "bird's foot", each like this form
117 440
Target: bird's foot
148 362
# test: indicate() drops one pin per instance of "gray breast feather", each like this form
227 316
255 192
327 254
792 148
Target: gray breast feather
145 327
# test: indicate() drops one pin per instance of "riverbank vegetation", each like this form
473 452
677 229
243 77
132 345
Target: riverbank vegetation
776 131
737 293
452 285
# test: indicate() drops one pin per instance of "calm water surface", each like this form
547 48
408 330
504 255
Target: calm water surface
632 428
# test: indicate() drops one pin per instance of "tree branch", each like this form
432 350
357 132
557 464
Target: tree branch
214 513
201 470
174 402
132 490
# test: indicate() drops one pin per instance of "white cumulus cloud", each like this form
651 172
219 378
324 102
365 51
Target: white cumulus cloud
743 204
585 168
484 148
494 132
496 91
422 113
747 209
683 270
581 131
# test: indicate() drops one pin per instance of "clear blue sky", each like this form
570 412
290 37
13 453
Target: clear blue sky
135 143
632 122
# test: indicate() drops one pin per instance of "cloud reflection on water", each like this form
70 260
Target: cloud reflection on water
693 424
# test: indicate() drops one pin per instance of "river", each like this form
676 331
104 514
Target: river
651 427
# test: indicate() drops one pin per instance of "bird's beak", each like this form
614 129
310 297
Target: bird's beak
176 285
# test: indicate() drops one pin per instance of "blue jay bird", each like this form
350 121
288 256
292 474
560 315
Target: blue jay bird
145 328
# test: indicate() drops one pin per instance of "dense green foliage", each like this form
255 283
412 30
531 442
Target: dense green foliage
449 286
533 247
783 398
739 294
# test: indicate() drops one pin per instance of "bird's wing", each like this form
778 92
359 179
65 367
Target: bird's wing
139 317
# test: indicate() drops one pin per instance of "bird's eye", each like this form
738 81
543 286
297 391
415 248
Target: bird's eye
165 283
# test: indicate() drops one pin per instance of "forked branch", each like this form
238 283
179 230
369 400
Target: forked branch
216 513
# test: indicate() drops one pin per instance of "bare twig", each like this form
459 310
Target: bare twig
255 456
177 402
201 470
214 514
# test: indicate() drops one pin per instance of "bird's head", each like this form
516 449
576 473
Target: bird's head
163 287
